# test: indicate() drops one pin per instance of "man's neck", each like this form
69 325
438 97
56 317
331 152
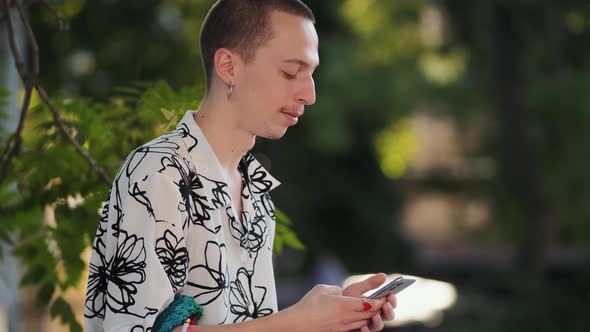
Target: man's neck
218 121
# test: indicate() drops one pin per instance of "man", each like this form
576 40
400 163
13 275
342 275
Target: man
190 213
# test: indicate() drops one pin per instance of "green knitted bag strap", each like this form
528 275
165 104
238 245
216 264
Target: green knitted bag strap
180 309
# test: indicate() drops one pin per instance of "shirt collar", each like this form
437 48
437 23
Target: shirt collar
208 166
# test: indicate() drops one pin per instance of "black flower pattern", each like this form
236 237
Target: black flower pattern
104 218
141 197
210 280
117 207
247 301
163 145
220 193
174 258
256 175
267 205
250 232
189 184
98 280
185 133
124 271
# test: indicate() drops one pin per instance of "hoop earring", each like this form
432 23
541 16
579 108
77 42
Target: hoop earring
230 90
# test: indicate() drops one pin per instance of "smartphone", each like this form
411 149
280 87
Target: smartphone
395 286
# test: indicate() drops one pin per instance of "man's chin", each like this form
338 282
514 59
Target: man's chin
274 135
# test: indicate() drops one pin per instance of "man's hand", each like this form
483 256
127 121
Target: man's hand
357 289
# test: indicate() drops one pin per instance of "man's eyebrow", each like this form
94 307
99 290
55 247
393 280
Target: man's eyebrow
301 63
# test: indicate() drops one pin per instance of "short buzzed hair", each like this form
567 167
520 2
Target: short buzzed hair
242 26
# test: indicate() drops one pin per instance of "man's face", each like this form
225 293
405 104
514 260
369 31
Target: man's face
273 89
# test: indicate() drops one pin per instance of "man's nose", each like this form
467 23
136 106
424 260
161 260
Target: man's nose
307 94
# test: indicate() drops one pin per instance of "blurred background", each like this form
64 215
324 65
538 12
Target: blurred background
450 141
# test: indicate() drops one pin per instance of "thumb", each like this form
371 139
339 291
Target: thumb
358 288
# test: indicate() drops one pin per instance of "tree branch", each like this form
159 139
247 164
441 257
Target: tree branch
27 3
16 138
60 18
20 64
31 38
14 142
62 128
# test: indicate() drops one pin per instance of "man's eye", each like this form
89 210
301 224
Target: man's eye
289 76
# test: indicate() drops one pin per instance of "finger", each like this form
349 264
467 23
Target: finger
388 313
359 324
359 288
365 329
372 304
330 290
358 305
393 300
356 316
377 323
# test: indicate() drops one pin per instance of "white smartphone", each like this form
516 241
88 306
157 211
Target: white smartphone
393 287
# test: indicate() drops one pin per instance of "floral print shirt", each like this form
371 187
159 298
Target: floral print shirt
168 227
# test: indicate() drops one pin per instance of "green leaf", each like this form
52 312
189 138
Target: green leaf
70 243
284 235
44 294
33 275
278 245
62 310
8 195
282 217
293 241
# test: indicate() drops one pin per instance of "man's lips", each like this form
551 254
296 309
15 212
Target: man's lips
292 117
293 114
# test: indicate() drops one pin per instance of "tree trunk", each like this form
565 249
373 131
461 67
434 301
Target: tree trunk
507 92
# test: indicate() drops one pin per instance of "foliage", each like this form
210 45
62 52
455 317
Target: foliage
284 236
52 215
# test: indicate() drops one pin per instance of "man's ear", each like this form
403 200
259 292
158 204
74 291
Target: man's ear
226 65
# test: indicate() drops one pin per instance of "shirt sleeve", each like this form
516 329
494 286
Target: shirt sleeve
148 260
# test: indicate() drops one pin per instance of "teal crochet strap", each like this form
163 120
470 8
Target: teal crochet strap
180 309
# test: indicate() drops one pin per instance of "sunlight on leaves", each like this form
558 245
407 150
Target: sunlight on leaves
443 69
395 146
389 31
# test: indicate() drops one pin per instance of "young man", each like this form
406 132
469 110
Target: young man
190 213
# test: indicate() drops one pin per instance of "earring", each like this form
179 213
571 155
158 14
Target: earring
230 89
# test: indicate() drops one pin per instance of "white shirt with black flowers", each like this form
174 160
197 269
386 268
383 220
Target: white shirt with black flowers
168 227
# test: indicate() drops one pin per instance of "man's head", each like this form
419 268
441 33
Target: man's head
242 26
267 49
